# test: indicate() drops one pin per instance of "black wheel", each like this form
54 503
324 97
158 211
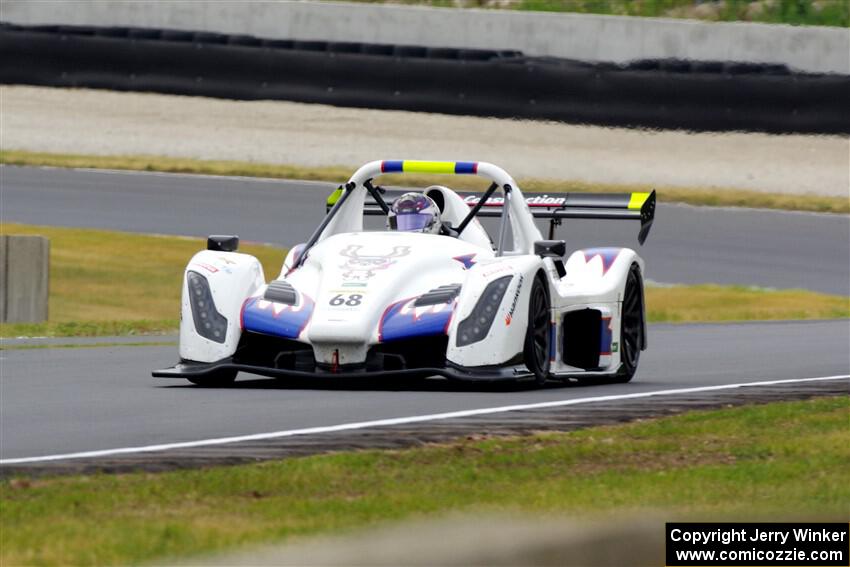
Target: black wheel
217 379
537 337
631 328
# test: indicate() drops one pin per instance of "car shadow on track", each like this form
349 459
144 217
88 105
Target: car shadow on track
435 384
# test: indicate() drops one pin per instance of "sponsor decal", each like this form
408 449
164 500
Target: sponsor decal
225 259
355 284
535 201
360 267
466 260
496 268
614 347
207 267
509 317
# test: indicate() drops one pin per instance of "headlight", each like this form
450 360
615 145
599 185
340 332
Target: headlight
209 323
475 327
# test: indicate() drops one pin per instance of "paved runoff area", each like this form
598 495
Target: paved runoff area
113 123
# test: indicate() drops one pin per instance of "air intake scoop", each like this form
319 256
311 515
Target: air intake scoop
442 294
281 292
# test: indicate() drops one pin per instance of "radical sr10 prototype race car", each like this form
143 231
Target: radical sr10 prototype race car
431 295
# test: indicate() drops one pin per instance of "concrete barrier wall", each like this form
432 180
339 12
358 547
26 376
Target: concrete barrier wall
695 96
24 277
572 36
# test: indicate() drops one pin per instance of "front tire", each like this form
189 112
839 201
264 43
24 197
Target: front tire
631 326
538 335
218 379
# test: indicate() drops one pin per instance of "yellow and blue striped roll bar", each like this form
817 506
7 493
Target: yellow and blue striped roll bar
414 166
554 206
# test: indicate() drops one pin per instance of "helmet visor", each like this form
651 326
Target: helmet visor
413 221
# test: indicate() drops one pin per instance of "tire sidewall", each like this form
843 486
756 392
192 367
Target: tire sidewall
540 374
628 368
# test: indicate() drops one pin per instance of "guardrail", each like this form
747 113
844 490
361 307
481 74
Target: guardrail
653 93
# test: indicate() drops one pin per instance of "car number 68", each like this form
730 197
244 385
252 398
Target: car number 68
349 299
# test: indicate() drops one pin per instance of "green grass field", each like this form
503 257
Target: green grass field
785 460
795 12
716 197
116 283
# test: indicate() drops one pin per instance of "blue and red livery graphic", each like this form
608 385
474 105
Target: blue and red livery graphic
402 320
466 260
608 255
270 318
605 338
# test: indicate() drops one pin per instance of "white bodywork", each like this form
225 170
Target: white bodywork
355 286
231 276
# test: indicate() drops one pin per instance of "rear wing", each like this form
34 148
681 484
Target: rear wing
552 206
559 206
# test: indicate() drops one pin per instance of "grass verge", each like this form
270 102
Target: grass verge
105 283
116 283
726 197
88 345
708 302
783 459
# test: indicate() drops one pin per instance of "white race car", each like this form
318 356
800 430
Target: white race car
432 295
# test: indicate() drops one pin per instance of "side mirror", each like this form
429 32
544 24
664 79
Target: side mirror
222 243
550 248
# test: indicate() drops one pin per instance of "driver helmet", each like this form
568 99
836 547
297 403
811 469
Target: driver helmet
414 212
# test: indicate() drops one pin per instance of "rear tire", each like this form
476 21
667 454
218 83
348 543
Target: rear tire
218 379
631 326
538 335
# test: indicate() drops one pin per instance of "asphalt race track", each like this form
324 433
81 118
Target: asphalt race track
687 244
61 401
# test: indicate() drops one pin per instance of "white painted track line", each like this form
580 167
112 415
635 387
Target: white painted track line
401 421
